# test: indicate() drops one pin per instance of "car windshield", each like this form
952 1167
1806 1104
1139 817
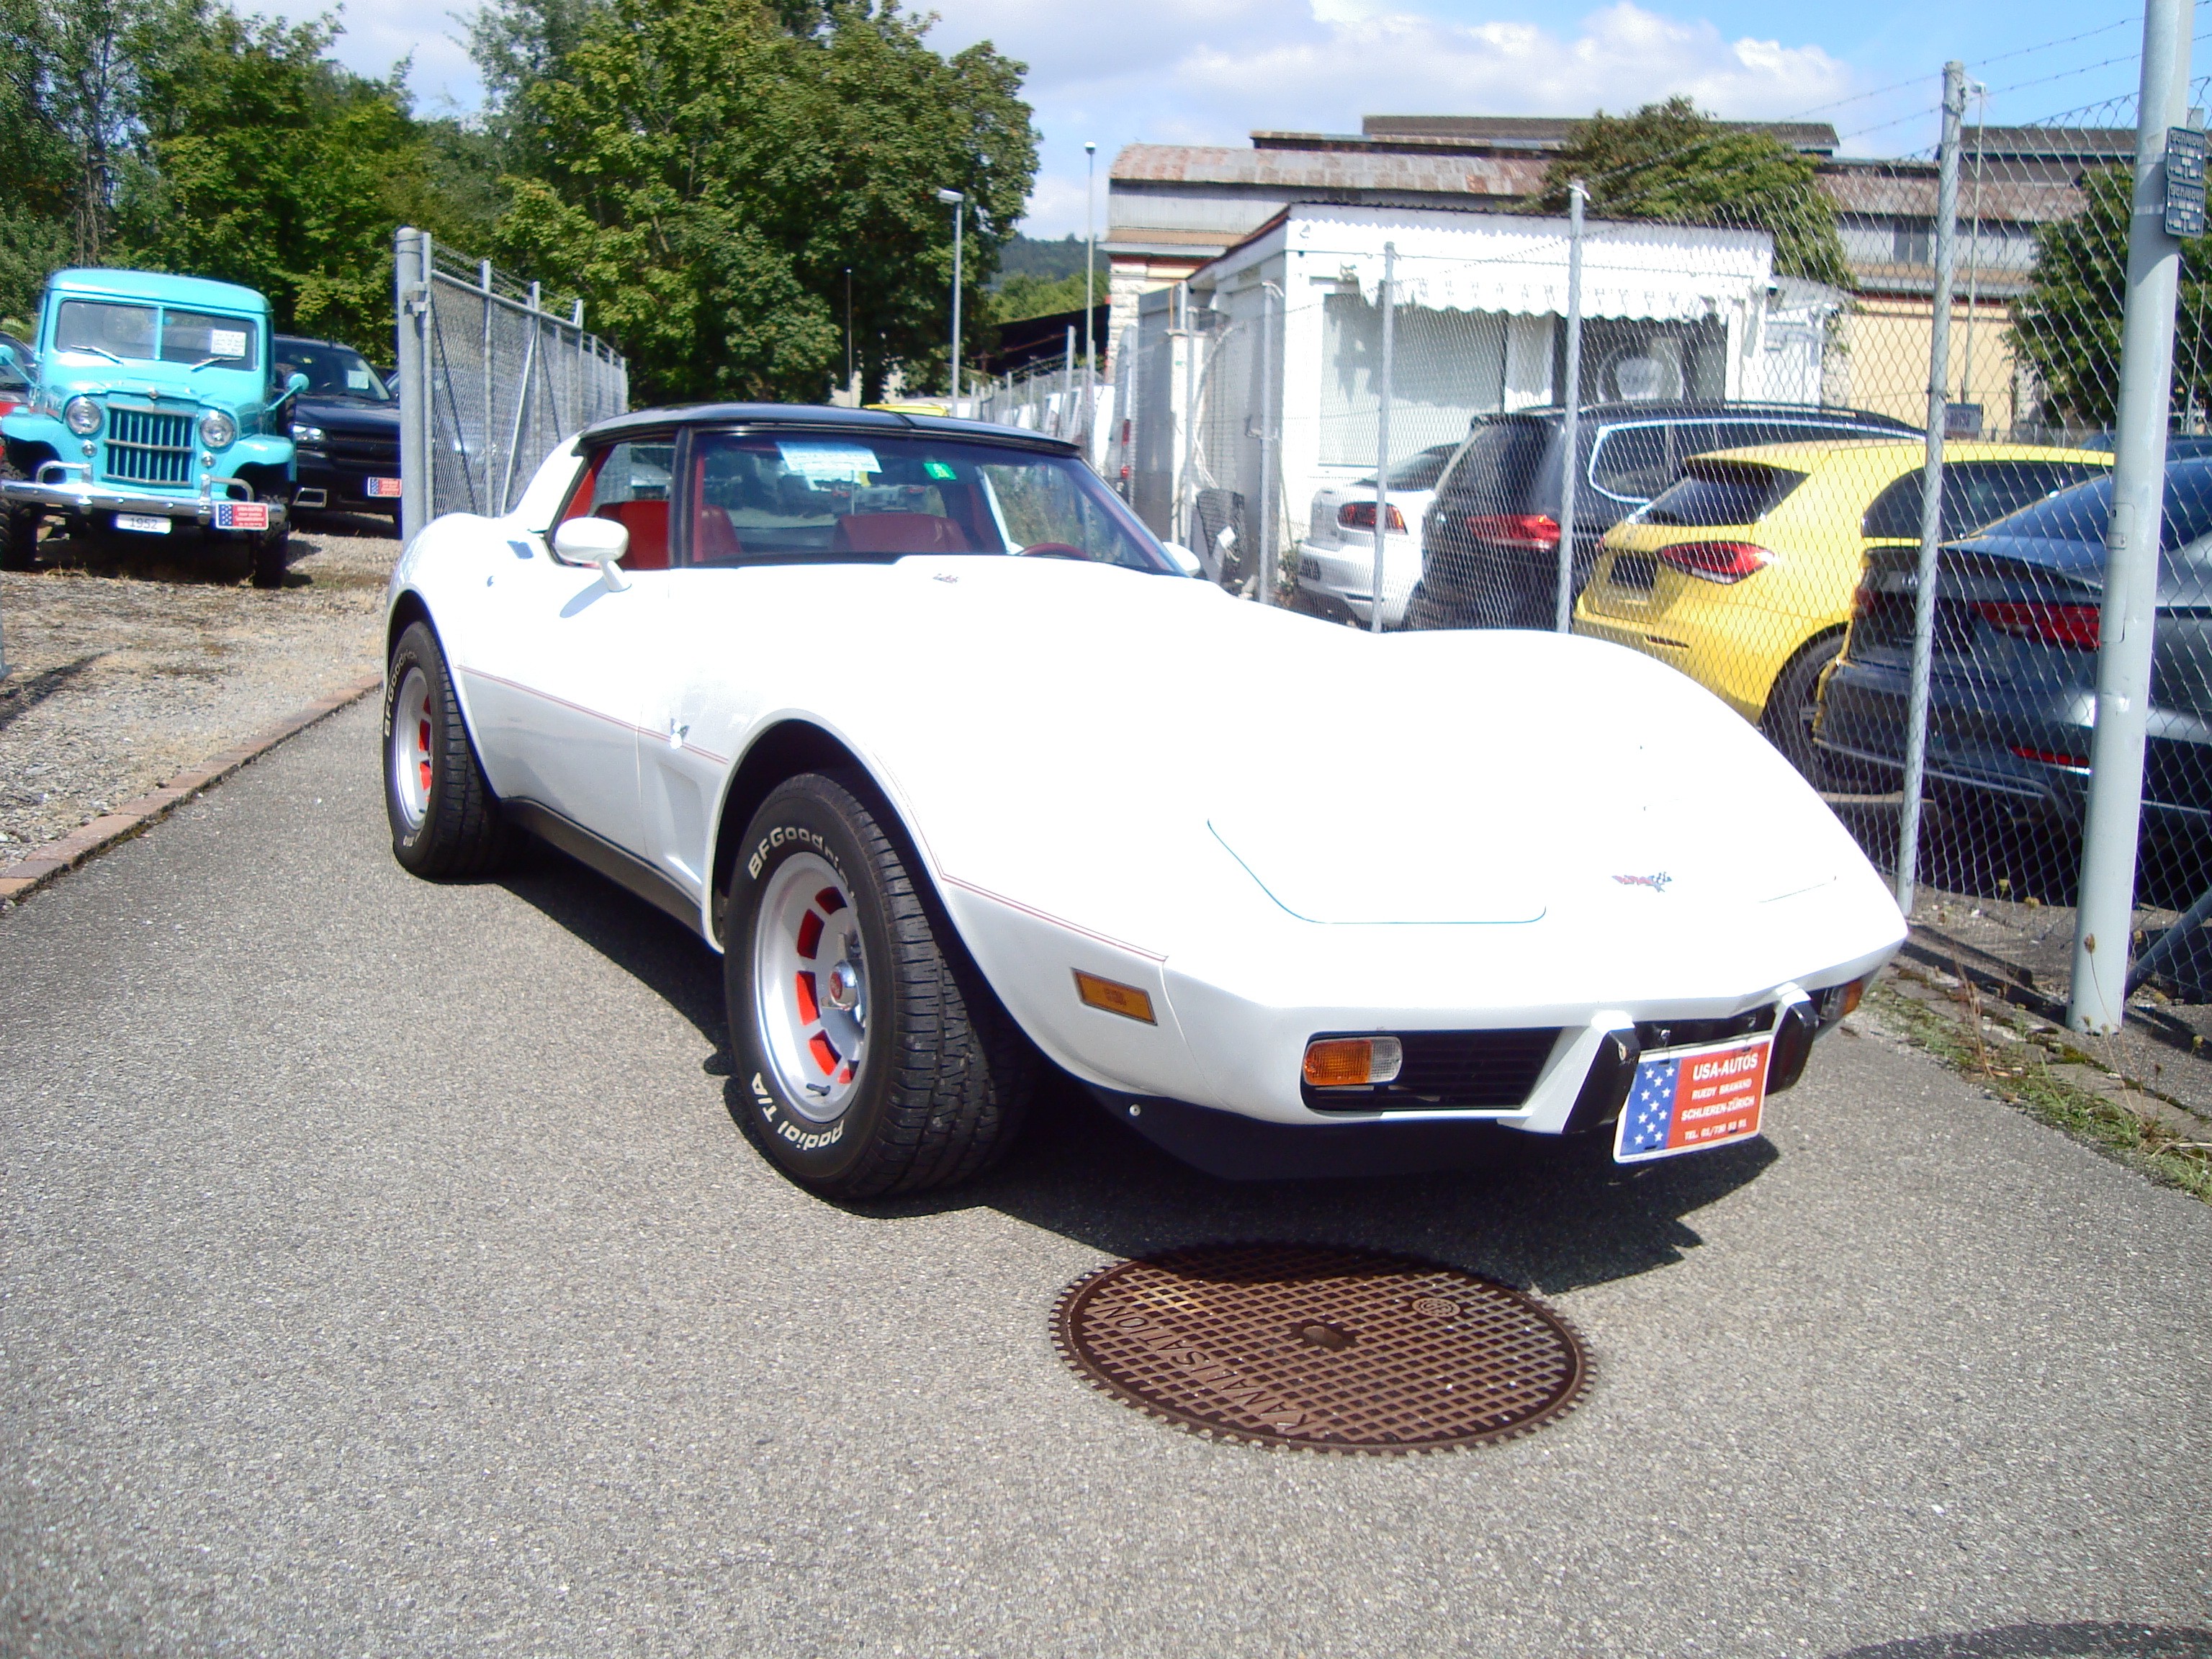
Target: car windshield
1717 492
128 333
766 497
2080 514
333 371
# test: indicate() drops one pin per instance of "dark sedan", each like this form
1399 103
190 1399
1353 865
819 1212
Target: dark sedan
2012 695
345 428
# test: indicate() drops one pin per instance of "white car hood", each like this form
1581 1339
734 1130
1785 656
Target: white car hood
1128 753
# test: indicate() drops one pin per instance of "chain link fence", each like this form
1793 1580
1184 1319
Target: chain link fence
490 381
1708 434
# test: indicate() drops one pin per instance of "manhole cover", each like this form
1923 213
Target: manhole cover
1338 1350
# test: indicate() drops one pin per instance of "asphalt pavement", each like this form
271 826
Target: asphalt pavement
384 1273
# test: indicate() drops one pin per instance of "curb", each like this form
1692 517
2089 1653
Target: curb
56 857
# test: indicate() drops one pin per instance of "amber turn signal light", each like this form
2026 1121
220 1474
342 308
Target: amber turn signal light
1114 997
1353 1062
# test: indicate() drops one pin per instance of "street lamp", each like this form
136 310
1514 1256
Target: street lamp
957 202
1089 261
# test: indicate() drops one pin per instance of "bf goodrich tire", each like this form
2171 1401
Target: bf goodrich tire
870 1056
445 818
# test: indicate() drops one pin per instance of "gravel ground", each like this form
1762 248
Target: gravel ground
129 664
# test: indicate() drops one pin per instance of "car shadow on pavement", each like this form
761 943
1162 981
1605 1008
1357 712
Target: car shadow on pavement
1544 1214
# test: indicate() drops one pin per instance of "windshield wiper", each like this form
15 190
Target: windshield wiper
218 358
97 351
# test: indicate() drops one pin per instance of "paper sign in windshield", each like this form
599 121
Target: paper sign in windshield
845 463
356 380
226 343
1687 1099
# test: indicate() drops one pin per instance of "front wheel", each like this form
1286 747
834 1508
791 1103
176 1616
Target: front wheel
19 530
444 819
870 1056
272 554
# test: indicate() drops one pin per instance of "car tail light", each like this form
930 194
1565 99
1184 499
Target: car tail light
1718 562
2049 756
1863 601
1360 515
1353 1062
1531 533
2071 625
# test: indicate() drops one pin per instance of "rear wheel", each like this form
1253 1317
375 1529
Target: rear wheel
1422 611
1787 719
444 819
870 1056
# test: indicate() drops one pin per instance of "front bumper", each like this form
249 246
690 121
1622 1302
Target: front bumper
60 487
341 486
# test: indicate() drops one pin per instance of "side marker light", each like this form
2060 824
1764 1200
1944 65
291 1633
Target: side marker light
1115 998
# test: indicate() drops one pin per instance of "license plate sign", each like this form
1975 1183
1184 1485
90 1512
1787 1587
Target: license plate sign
147 524
1685 1100
385 489
241 515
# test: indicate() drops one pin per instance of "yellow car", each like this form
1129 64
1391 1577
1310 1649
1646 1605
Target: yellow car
1741 573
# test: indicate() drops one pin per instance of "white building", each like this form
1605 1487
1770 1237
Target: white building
1294 308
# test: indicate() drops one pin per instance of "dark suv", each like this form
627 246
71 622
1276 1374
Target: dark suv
1489 543
345 427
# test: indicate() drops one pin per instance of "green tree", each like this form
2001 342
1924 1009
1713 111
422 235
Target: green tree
76 74
1672 162
1021 296
2067 325
272 165
705 172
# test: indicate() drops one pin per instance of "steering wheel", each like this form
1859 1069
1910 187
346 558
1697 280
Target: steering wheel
1054 551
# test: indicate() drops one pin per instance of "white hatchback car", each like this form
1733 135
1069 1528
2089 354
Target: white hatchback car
1337 562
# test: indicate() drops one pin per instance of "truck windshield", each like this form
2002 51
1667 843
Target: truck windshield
128 333
333 371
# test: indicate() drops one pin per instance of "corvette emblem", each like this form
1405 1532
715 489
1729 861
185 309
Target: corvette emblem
1658 883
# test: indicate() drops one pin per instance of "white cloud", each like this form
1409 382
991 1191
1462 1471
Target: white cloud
1171 71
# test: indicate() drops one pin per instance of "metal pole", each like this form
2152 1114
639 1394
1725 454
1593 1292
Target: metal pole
411 302
1931 488
959 209
1187 481
1066 423
483 443
1089 301
2104 917
849 335
1562 597
1389 298
1267 292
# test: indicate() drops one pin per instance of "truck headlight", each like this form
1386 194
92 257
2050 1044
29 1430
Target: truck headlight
305 434
80 416
217 429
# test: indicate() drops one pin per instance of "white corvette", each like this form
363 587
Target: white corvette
1288 897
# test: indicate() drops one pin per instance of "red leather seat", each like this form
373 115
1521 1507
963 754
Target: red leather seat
714 539
648 524
898 532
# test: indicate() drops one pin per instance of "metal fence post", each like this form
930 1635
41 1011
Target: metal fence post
1267 292
410 282
2104 915
1563 600
1389 298
1931 488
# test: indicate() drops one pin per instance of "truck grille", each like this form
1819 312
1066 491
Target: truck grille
145 447
364 449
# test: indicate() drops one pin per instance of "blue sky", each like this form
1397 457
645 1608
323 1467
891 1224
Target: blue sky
1208 71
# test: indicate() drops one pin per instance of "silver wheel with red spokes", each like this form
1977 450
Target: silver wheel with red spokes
412 772
810 987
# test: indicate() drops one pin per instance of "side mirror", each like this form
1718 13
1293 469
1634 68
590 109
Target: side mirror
295 384
601 542
1186 561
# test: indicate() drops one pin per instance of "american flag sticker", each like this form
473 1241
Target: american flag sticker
1683 1100
241 515
379 487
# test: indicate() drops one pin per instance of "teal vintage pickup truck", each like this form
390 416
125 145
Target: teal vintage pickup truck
153 411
